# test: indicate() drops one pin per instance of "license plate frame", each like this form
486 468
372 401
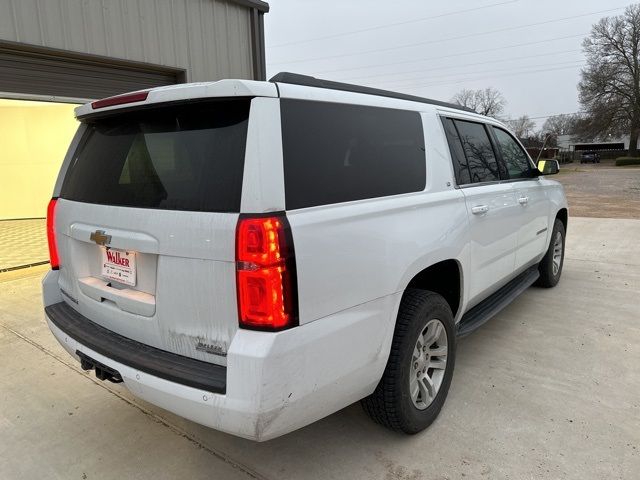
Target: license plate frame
119 266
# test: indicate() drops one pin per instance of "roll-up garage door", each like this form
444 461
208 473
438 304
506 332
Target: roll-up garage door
35 71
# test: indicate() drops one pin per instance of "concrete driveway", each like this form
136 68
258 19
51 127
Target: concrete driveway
549 389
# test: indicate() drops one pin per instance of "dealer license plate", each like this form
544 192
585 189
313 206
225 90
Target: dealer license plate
119 265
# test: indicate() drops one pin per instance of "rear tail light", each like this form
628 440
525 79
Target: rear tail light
266 273
51 234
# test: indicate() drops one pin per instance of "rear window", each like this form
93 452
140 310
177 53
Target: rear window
338 153
483 165
181 157
458 157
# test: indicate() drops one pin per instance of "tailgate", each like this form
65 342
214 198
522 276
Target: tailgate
145 225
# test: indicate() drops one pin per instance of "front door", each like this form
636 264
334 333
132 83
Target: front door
530 196
492 210
493 218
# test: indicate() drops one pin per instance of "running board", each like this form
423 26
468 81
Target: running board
489 307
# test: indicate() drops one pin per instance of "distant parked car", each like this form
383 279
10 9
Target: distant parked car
590 157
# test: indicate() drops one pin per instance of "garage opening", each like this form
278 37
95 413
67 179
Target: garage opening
38 86
34 136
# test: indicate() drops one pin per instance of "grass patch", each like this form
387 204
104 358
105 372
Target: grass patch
624 161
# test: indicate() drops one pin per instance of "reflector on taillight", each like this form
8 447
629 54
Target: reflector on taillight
51 234
266 273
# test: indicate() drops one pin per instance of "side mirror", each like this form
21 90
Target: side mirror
548 167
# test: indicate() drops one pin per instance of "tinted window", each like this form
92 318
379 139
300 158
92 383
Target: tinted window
188 157
515 158
483 165
460 166
337 153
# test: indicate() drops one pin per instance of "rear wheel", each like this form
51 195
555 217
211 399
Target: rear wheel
550 267
416 380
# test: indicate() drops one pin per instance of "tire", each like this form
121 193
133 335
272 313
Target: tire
391 404
550 276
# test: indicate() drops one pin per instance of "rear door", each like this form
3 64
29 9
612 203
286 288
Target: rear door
146 224
531 198
491 207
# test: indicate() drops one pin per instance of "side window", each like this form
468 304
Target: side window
483 165
516 159
460 166
338 153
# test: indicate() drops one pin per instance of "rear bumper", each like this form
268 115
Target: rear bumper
169 366
274 383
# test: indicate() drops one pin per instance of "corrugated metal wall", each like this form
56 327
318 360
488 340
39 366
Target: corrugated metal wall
210 39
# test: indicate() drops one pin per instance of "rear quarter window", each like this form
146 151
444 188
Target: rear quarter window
337 153
181 157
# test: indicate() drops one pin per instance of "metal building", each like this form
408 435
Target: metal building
85 49
55 54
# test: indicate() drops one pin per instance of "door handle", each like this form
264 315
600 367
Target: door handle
479 209
523 200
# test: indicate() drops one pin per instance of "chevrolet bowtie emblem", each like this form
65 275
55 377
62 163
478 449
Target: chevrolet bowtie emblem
100 238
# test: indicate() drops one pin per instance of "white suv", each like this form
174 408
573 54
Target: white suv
254 256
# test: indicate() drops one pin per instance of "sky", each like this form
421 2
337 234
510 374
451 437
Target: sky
530 50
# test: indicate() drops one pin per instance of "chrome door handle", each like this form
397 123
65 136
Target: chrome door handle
479 209
523 200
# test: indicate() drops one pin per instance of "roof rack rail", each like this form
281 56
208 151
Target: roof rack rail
309 81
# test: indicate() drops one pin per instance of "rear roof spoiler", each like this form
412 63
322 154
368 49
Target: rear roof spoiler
184 92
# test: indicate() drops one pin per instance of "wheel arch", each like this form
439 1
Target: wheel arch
444 278
563 216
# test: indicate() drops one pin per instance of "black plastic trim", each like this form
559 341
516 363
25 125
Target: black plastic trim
489 307
308 81
170 366
502 165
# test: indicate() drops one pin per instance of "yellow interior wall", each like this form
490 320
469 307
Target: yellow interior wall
34 137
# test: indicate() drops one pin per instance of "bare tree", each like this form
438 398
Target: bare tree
610 85
465 98
522 127
489 101
563 124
